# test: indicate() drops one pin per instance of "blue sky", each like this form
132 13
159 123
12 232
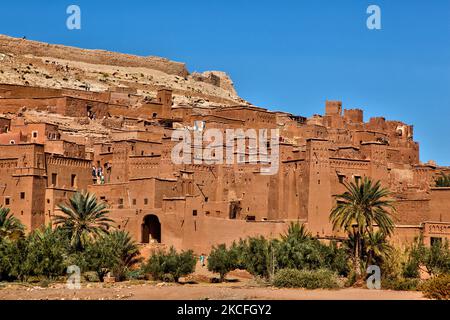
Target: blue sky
282 55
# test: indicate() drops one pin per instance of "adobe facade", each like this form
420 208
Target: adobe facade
128 165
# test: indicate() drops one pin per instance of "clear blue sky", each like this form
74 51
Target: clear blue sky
283 55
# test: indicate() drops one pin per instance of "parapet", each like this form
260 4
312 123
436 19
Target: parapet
354 115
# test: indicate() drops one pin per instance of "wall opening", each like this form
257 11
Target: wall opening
151 229
73 180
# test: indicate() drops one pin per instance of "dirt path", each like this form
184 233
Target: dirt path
228 291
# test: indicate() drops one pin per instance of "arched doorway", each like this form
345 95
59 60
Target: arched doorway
151 229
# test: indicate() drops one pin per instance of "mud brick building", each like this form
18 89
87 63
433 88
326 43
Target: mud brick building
51 140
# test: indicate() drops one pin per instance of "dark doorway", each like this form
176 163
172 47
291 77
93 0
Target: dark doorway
151 229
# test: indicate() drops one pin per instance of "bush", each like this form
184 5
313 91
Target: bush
295 250
437 287
298 250
257 256
222 261
401 284
435 258
46 253
42 253
309 279
136 274
170 266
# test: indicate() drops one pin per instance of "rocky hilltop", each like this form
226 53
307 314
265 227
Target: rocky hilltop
56 66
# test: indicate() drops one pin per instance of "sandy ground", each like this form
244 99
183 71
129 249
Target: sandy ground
240 286
229 291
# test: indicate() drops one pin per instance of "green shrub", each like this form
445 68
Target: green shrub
170 266
46 253
43 253
136 274
298 250
91 276
309 279
437 287
351 279
222 261
435 259
258 256
401 284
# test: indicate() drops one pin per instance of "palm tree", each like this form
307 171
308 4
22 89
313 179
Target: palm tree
359 209
376 247
443 180
83 217
126 252
296 231
10 226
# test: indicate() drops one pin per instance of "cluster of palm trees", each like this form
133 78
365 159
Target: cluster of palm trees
89 232
364 212
443 180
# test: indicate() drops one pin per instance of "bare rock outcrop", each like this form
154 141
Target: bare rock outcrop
38 64
39 49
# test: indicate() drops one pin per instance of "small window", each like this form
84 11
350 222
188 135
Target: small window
73 180
54 178
12 142
145 201
194 213
103 198
7 201
206 199
120 200
134 202
250 218
34 134
435 241
341 178
22 195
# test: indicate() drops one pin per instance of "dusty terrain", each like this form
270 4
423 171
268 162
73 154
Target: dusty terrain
226 291
240 286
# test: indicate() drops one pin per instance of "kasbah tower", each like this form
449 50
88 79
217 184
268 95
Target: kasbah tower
66 112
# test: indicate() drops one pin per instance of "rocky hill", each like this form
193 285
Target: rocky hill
56 66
